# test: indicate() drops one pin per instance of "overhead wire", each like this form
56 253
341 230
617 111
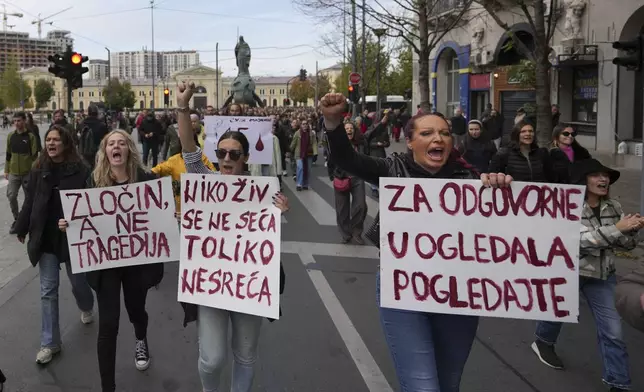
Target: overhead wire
102 14
230 16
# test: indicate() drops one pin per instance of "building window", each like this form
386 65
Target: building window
453 85
584 97
282 91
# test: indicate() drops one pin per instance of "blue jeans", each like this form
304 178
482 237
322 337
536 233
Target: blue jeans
429 350
49 283
600 295
300 180
212 328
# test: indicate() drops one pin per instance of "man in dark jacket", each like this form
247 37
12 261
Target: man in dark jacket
151 133
92 131
459 127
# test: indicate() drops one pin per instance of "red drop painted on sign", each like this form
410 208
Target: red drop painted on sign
259 146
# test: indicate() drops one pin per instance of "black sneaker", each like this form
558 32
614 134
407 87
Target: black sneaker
547 355
613 389
12 231
142 355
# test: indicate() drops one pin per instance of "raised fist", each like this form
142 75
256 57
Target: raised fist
333 106
185 93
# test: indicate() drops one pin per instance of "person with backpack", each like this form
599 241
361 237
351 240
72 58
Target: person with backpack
22 152
92 131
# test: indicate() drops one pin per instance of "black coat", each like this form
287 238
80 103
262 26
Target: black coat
32 218
561 163
152 273
511 161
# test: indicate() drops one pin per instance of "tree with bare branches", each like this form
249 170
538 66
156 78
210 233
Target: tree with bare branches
419 23
542 16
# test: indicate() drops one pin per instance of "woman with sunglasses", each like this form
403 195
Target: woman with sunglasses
212 323
564 150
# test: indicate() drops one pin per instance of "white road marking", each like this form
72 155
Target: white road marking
367 366
372 205
335 250
322 212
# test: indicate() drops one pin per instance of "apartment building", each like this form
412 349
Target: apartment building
31 51
140 64
98 69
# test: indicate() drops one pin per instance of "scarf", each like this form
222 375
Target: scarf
568 150
304 151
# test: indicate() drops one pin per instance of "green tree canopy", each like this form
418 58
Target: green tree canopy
43 91
118 96
13 90
301 91
323 85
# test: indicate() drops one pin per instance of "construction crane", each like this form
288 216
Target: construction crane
40 20
5 17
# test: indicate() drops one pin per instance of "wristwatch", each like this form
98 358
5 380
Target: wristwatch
184 110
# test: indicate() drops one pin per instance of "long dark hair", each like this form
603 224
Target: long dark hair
70 153
516 132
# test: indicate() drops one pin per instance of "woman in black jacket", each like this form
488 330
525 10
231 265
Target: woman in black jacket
118 162
477 148
350 198
58 168
523 159
416 340
565 150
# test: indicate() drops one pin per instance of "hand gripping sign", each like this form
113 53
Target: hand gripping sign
453 246
121 225
230 243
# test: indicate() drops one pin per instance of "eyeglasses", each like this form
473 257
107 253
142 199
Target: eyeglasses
234 154
566 134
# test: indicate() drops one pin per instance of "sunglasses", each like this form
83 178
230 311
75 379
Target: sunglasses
234 154
566 134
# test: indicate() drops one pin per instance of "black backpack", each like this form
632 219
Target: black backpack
87 146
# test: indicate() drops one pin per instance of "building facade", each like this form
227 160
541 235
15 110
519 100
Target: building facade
211 89
604 103
98 69
140 64
31 51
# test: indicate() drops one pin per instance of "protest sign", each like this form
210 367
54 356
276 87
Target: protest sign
120 226
258 131
230 243
453 246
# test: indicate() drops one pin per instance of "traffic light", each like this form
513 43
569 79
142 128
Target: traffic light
166 97
76 70
354 93
302 75
59 68
632 59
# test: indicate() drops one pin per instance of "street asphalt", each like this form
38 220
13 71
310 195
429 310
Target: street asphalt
329 338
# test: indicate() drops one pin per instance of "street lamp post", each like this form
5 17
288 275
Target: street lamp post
379 33
109 63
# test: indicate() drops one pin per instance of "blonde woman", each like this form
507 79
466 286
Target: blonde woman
118 162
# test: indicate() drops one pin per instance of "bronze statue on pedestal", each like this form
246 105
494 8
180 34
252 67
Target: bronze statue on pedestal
243 86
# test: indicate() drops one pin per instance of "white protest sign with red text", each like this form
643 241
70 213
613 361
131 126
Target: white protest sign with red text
230 243
258 131
120 226
452 246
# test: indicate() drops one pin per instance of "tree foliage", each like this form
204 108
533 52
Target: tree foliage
418 23
118 96
323 85
301 91
43 91
10 86
542 17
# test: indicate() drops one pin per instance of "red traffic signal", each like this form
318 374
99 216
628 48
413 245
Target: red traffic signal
350 89
77 58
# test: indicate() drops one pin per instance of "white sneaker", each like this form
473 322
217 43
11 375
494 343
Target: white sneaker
284 173
46 354
87 317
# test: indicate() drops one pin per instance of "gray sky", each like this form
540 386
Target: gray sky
281 38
